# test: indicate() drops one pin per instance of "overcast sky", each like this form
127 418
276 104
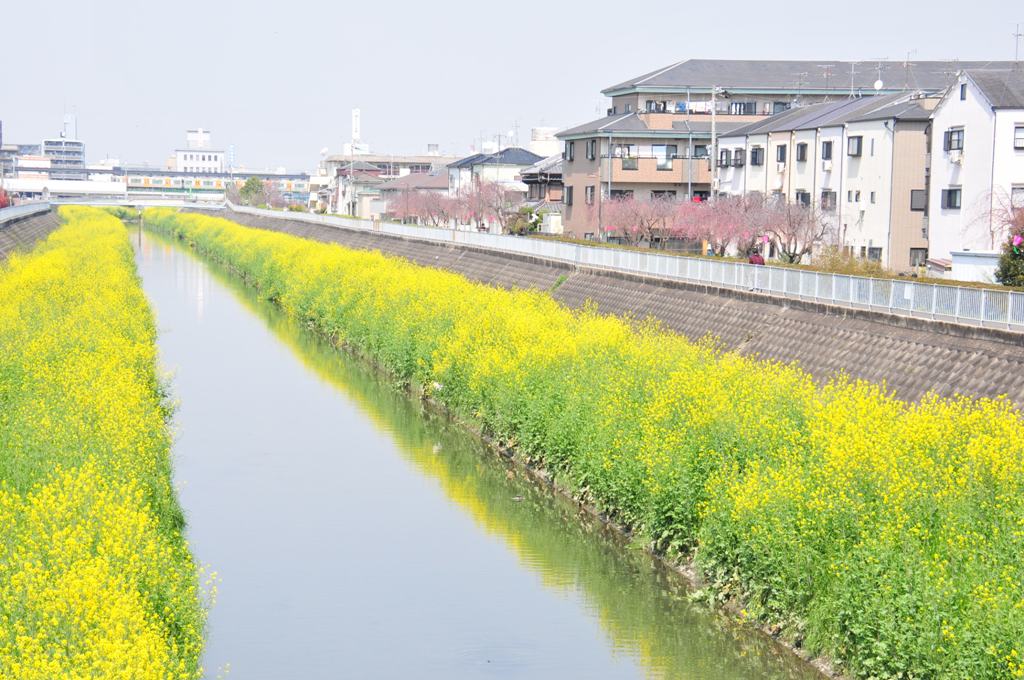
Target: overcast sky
278 80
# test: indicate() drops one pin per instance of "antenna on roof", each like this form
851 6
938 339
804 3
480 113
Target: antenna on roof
1017 35
828 73
908 69
878 83
799 87
853 76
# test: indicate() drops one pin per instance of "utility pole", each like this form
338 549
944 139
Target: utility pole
1017 35
714 141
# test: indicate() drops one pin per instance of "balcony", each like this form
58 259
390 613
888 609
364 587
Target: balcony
657 170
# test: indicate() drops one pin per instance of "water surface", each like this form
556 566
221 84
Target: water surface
357 535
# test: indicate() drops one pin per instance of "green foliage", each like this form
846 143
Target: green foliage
252 192
1010 271
887 535
525 221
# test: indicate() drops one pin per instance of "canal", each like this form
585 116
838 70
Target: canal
356 534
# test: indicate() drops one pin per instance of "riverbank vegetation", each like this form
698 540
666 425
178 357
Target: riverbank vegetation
883 534
95 577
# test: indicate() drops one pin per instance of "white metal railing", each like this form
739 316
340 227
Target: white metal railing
16 212
988 307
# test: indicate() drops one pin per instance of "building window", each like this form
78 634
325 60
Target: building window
826 151
872 146
801 153
951 199
567 197
963 92
724 158
779 107
872 196
854 146
656 106
803 198
953 139
849 195
621 194
918 200
664 153
700 150
828 201
570 151
1017 198
757 156
875 254
780 153
629 108
1018 137
743 108
918 257
856 196
737 158
588 195
591 149
663 193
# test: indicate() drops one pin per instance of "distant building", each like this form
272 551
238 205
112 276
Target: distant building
503 167
977 170
544 188
197 156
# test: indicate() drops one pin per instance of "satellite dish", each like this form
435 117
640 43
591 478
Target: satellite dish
878 84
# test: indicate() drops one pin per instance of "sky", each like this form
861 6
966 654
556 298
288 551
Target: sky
277 81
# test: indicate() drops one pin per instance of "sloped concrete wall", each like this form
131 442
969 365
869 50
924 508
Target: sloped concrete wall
24 233
912 357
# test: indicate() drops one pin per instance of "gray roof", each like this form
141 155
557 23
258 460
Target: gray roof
623 122
827 114
1004 90
513 155
552 165
415 181
634 123
803 75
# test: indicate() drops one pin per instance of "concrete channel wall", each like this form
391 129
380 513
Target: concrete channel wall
911 356
21 231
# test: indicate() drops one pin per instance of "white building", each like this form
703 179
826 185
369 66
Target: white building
977 170
860 162
504 167
197 156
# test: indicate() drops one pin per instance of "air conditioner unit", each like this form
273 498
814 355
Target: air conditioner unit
956 157
826 166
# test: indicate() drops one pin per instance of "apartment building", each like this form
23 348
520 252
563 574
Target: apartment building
977 170
670 109
861 162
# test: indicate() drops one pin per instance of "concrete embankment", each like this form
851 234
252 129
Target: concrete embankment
913 357
23 234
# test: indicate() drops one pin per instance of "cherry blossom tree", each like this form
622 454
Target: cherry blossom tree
639 220
796 229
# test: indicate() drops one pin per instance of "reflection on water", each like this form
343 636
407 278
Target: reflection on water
359 535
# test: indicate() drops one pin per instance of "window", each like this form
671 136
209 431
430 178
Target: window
780 153
801 153
737 158
856 196
1018 137
828 201
918 257
588 195
872 152
854 146
779 107
663 193
629 108
591 149
724 158
620 194
875 254
951 199
872 197
953 140
743 108
570 151
963 92
700 151
664 153
656 106
918 200
826 151
567 197
757 156
803 197
849 195
1017 197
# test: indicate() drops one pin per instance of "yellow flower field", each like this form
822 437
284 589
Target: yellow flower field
885 534
96 580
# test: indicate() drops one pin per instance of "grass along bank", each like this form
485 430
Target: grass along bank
95 577
883 534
